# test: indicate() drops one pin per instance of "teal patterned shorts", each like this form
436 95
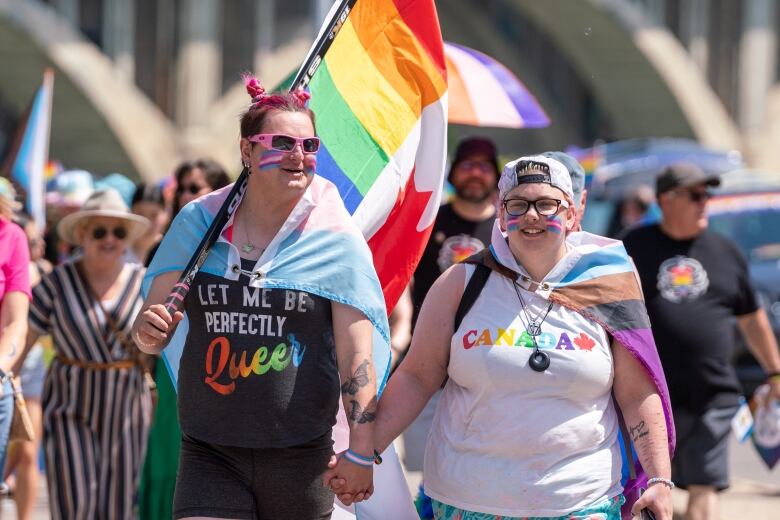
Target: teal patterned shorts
604 510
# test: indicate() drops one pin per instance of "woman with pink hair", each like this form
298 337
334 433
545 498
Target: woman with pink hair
260 426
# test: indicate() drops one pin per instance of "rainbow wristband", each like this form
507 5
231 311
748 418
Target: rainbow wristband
358 459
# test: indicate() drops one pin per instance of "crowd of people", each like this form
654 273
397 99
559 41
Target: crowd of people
69 299
531 358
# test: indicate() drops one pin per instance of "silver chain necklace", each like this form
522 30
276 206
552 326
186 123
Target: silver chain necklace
535 324
539 361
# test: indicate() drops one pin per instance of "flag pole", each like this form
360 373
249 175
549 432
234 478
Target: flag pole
175 300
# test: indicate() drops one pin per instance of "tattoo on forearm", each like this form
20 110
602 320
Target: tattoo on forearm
358 380
360 415
638 431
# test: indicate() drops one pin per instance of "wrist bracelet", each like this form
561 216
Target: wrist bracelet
660 480
358 459
773 375
377 458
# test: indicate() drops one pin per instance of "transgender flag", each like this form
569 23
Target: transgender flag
29 164
380 96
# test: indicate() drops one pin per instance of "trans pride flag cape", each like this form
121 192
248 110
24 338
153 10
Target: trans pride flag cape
380 97
597 279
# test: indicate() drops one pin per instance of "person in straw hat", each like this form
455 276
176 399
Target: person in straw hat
14 302
97 401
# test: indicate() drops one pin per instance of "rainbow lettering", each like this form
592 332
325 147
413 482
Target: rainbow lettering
510 338
219 357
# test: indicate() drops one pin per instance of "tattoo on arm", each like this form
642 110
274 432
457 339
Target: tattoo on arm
638 431
361 415
358 380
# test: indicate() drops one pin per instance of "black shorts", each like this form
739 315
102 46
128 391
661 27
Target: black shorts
702 454
258 484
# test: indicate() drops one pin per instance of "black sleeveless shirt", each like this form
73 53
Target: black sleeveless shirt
259 365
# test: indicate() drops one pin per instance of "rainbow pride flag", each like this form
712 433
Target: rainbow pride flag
380 97
589 158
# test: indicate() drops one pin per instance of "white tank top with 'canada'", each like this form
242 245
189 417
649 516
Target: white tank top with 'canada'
507 440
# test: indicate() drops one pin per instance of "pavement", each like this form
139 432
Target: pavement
754 493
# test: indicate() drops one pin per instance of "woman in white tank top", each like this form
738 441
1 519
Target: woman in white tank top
526 425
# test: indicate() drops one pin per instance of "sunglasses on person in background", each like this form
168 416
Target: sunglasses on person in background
482 166
99 233
287 143
193 189
545 207
695 196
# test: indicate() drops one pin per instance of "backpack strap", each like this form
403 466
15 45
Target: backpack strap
471 293
484 263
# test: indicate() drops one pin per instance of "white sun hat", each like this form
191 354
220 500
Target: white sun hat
103 203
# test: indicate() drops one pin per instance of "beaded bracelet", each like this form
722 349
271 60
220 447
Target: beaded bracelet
660 480
358 459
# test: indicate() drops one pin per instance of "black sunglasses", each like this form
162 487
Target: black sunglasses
99 233
193 189
699 196
694 196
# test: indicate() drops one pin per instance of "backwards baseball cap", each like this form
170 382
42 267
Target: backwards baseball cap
535 169
576 172
682 175
472 146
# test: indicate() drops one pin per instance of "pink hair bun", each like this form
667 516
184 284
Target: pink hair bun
261 99
253 87
301 95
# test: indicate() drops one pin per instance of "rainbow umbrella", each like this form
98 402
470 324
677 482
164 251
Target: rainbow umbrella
483 92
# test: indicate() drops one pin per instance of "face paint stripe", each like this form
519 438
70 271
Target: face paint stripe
512 223
310 164
271 159
554 224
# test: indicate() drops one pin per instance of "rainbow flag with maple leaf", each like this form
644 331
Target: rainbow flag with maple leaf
380 97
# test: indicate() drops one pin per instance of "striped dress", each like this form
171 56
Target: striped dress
96 421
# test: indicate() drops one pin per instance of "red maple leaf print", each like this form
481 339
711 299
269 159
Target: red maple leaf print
584 342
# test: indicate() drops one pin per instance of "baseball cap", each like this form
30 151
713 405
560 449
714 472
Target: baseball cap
535 169
474 146
681 175
576 172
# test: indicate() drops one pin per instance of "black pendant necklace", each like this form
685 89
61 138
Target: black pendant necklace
539 360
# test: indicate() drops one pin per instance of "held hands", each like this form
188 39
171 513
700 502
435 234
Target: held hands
658 499
350 482
153 328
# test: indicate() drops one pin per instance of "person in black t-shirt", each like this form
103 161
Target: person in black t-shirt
695 283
